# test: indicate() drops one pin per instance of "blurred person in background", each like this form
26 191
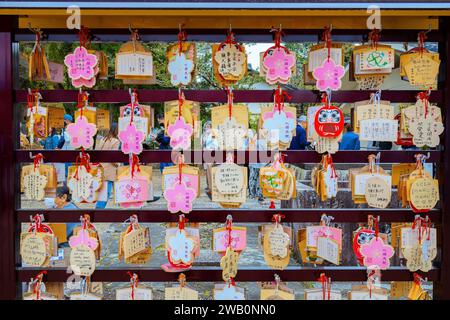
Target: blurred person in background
350 139
299 142
109 142
63 200
52 141
162 139
209 142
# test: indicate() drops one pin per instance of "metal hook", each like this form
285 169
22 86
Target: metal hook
134 220
378 95
326 219
30 27
182 280
229 157
126 221
328 91
277 281
34 30
421 157
132 96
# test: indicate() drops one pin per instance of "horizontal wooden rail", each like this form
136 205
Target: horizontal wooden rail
255 96
219 215
245 274
218 35
240 157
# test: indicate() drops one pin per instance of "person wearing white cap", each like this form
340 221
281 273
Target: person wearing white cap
299 142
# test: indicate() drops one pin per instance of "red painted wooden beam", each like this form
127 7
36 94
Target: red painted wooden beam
245 274
219 215
255 96
241 157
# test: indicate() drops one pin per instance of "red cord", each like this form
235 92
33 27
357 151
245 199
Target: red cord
326 38
374 37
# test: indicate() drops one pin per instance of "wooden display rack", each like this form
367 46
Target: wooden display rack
348 25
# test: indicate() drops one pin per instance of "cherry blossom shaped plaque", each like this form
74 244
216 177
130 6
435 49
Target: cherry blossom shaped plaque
179 198
376 253
81 133
131 139
34 185
426 132
229 264
81 64
83 238
278 62
231 60
330 145
82 256
279 242
181 247
81 187
78 83
280 126
180 134
180 69
229 292
328 76
95 187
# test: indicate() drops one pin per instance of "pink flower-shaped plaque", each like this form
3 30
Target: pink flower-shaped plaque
81 64
83 238
329 75
81 133
179 198
180 134
131 139
278 63
270 114
80 82
376 253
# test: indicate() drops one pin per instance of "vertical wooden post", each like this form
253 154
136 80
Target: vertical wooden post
7 219
441 288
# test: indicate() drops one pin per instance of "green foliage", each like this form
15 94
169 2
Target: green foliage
205 79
